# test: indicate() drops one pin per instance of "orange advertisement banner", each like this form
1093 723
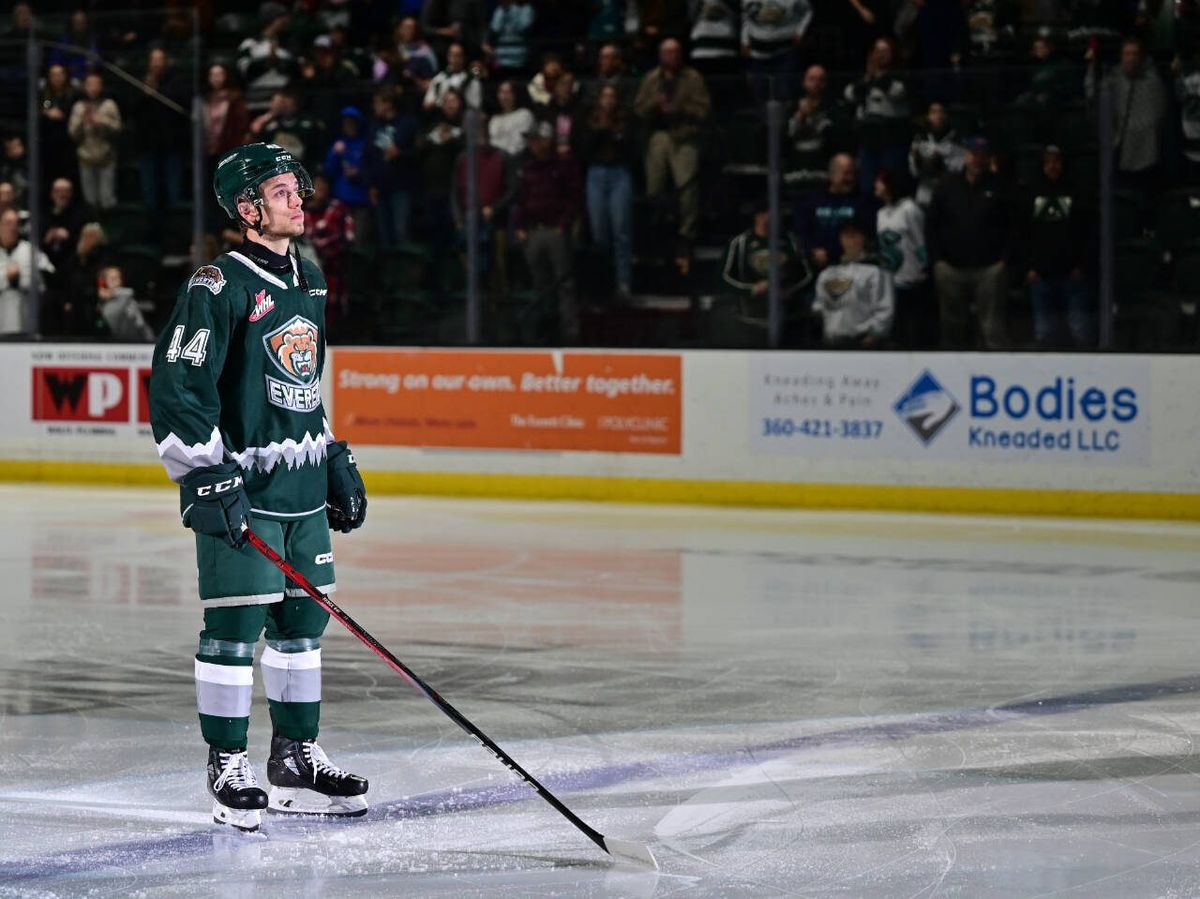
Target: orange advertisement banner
550 400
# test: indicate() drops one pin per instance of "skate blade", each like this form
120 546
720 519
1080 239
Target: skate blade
289 801
245 820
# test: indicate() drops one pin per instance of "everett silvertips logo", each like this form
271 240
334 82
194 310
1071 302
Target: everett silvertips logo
262 305
926 407
293 349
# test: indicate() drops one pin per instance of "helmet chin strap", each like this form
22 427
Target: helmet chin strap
301 281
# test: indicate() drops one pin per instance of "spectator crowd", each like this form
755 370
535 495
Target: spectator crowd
941 162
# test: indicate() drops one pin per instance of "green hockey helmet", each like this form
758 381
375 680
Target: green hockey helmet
241 171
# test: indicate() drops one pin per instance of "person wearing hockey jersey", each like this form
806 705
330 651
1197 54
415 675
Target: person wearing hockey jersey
772 32
900 231
235 407
855 297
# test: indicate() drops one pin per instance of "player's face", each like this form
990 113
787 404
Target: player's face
283 215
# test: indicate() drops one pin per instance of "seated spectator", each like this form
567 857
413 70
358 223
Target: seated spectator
351 55
610 70
673 103
391 170
968 236
285 124
456 77
654 21
991 30
880 102
58 98
1052 81
748 267
1055 224
165 133
508 127
900 230
455 21
809 131
14 168
771 37
543 216
716 37
935 151
62 221
94 124
821 214
508 37
344 166
326 78
418 63
855 297
226 116
16 275
1139 109
562 112
264 62
606 21
541 85
1187 97
80 271
495 187
438 153
608 147
8 200
329 227
79 34
119 308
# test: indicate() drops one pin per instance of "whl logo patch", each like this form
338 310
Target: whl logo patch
293 349
926 407
262 305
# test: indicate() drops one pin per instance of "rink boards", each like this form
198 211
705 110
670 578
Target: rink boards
1018 433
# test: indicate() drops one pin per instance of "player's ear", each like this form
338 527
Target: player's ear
249 211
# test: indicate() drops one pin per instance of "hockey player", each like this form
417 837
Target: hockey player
235 405
855 297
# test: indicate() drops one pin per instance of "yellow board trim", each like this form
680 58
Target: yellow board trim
967 500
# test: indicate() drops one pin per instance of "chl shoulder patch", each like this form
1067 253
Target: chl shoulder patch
208 276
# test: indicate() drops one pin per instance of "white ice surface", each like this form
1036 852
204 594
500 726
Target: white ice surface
778 703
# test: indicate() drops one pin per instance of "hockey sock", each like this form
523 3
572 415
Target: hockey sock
224 687
291 671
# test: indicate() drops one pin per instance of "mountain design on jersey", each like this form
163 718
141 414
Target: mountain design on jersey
237 375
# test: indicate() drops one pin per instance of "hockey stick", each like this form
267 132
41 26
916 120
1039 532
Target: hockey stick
624 850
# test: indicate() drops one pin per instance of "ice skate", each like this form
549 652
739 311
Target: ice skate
237 798
304 782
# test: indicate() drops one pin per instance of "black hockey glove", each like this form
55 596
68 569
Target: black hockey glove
213 501
346 501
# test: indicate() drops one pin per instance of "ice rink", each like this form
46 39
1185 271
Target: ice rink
778 703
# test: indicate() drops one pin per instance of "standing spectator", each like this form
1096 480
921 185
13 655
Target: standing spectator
455 77
495 187
79 34
17 274
58 98
326 78
264 62
607 148
606 23
562 112
80 272
391 167
855 297
900 230
541 85
14 168
93 126
610 70
8 200
508 127
809 131
164 133
543 216
344 166
1052 81
439 151
454 21
821 214
1187 97
772 33
747 270
418 63
63 221
508 37
329 227
297 132
991 30
716 36
226 117
935 151
880 102
1139 109
674 103
656 21
119 309
968 238
1055 226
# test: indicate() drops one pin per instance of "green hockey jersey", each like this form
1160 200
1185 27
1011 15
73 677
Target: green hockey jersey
237 375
